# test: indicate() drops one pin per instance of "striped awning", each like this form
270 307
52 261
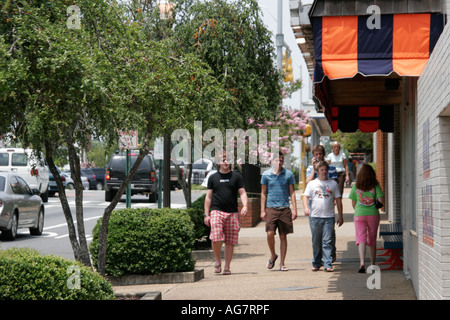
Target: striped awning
344 46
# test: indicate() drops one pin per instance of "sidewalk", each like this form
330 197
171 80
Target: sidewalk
251 280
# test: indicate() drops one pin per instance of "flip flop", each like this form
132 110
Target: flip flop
217 268
284 268
329 270
315 269
226 272
271 264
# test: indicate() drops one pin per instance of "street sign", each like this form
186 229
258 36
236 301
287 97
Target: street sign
158 150
128 139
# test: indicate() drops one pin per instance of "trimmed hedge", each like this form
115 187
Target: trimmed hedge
201 231
146 241
27 275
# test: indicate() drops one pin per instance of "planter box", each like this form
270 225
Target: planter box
253 216
174 277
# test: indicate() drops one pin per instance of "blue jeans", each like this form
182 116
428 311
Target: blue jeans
322 230
334 233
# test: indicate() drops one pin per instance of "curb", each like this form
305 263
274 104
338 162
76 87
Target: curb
174 277
153 295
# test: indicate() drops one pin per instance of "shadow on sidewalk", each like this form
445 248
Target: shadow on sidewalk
379 285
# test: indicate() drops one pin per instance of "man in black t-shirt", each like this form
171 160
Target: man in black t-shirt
221 200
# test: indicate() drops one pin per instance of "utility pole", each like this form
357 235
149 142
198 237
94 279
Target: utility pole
166 171
280 36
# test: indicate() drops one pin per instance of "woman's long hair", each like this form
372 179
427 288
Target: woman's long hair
366 179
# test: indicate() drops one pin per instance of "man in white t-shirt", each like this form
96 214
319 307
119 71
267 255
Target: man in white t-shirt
323 192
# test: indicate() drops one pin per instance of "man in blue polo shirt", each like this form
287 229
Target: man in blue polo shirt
277 184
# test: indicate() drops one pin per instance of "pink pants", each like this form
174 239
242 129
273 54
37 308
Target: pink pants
366 229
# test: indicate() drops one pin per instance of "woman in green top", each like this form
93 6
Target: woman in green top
367 217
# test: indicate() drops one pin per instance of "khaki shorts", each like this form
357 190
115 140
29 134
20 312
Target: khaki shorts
279 218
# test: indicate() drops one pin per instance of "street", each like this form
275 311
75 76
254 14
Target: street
55 238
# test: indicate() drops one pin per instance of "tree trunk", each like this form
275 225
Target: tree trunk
186 187
74 162
103 243
77 250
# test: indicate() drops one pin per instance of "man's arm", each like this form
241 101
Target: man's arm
340 221
311 175
263 201
306 205
207 206
244 199
294 201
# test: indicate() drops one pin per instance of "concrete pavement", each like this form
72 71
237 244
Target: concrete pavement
251 280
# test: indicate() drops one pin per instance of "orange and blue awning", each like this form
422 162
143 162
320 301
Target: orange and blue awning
345 46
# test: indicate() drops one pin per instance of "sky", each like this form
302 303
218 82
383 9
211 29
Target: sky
269 10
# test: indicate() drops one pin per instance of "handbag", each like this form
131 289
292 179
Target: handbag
378 204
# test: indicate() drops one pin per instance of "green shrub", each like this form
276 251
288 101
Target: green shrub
146 241
201 231
27 275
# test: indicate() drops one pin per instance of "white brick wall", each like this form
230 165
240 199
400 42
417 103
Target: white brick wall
433 97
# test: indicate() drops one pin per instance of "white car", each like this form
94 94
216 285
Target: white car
24 163
205 181
200 169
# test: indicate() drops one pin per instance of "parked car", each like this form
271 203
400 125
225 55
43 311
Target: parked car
174 175
100 174
200 170
145 181
30 167
91 177
20 207
70 184
52 187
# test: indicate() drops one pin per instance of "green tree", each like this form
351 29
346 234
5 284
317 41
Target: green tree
62 86
354 141
46 93
232 39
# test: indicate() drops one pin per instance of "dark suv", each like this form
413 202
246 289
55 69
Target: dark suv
145 180
100 175
87 172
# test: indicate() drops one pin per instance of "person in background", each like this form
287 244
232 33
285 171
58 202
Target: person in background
351 169
367 216
323 192
319 155
338 159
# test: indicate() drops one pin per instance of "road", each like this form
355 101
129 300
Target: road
55 238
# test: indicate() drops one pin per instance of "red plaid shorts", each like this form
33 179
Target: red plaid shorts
225 227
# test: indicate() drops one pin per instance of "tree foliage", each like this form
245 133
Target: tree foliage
126 68
355 141
232 39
